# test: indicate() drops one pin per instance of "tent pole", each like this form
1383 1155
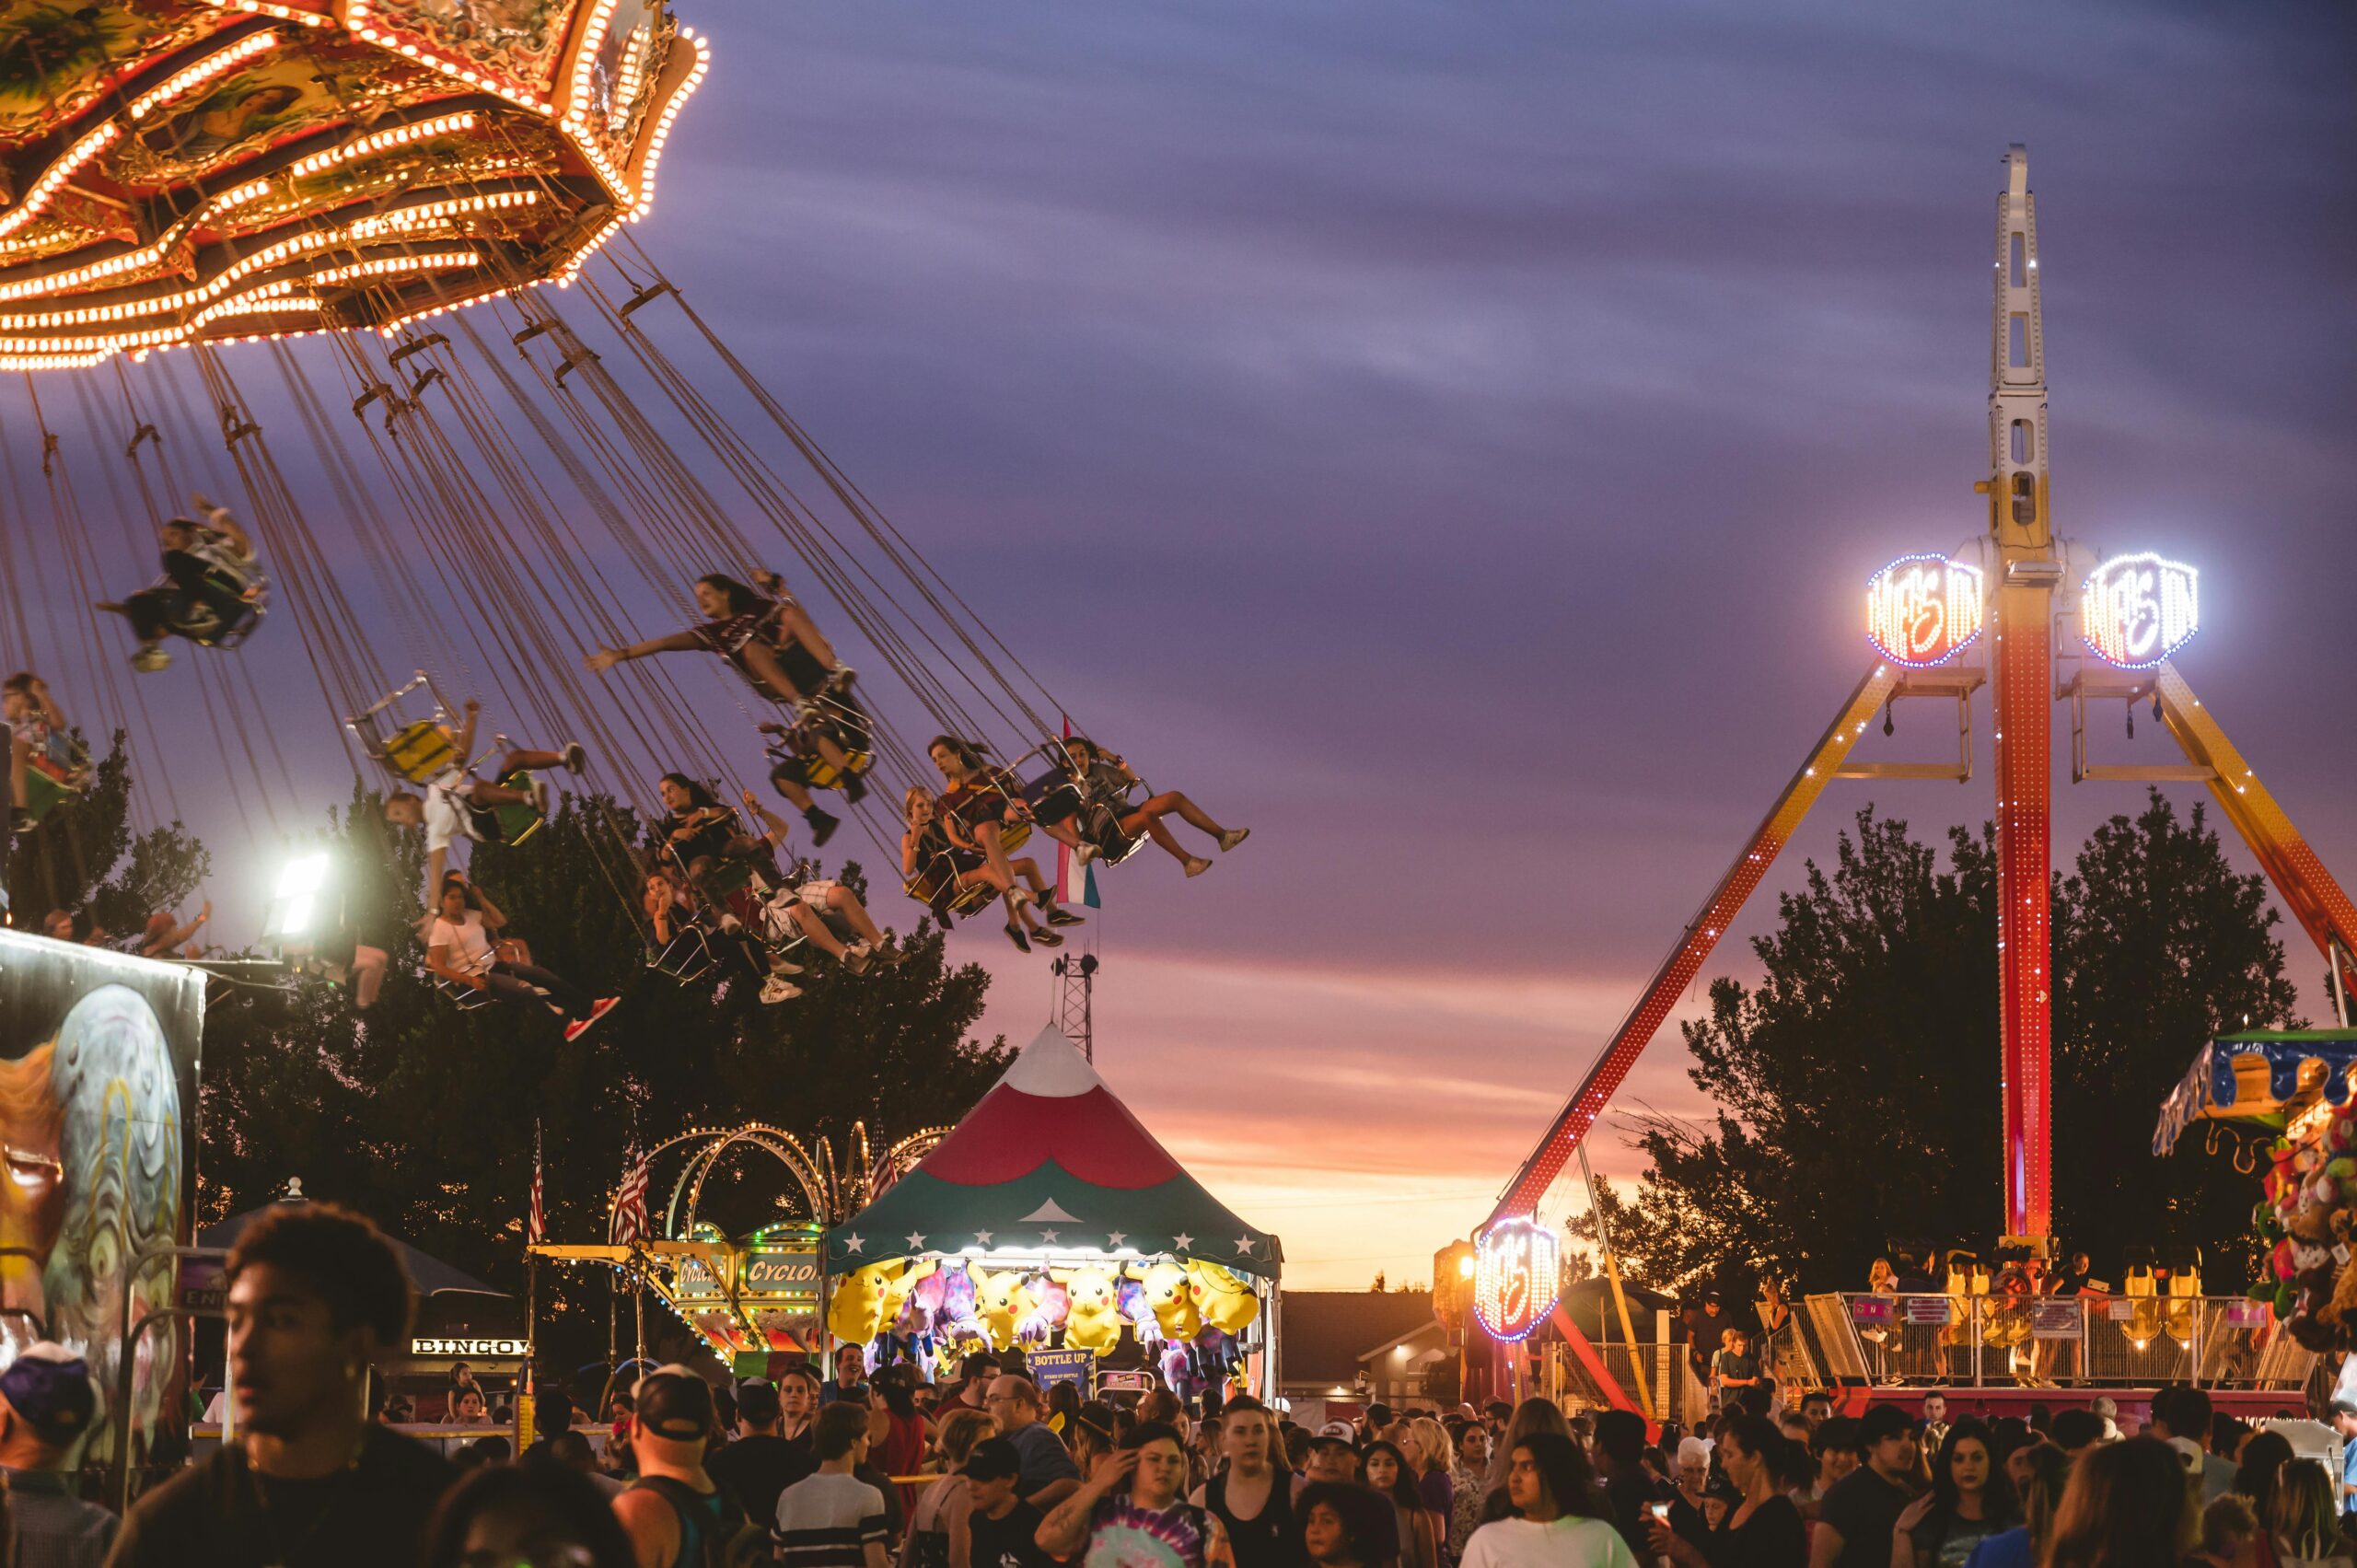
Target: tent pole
1620 1300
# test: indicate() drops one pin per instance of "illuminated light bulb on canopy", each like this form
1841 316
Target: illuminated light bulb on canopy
2136 610
1518 1272
1923 610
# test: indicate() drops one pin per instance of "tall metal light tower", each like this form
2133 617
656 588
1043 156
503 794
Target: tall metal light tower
2022 664
1076 978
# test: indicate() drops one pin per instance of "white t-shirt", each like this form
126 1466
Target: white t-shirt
468 943
446 810
1566 1543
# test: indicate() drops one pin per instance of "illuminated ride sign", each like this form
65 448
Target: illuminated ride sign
1517 1271
2138 609
1923 610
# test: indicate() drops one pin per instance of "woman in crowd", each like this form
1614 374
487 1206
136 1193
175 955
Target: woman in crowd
1762 1528
1433 1459
2302 1522
2129 1506
1558 1518
2046 1471
1342 1525
1089 1437
902 1432
1694 1477
2263 1458
937 1534
1532 1416
1382 1467
1971 1500
1467 1486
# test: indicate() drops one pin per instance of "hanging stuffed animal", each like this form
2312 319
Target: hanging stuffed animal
1138 1312
1166 1291
856 1313
899 1287
1093 1318
1225 1299
1001 1302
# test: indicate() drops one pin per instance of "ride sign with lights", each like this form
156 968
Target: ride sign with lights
2138 609
1518 1272
1923 610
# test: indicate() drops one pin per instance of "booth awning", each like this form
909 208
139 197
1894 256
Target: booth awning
1050 1161
430 1275
2260 1075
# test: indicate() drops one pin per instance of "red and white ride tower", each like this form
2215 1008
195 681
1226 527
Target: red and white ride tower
1924 614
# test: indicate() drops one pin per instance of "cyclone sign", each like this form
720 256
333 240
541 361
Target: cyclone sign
2138 609
1516 1272
1923 610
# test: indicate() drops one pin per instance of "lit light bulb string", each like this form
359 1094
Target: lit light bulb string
637 197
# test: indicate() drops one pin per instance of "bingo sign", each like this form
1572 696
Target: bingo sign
1923 610
2137 610
1518 1265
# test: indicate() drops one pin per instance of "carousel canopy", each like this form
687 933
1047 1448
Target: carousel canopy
186 170
1051 1162
2268 1076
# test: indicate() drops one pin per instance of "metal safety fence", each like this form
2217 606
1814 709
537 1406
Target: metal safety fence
2142 1341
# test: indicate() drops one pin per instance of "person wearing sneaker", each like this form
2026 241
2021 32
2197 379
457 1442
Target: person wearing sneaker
1146 817
210 583
459 949
815 898
458 805
788 774
771 641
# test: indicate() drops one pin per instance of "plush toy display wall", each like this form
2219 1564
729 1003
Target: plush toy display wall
2307 1213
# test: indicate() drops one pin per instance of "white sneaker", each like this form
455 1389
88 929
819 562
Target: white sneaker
777 988
576 756
1085 852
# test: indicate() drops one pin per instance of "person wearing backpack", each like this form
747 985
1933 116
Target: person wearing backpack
676 1515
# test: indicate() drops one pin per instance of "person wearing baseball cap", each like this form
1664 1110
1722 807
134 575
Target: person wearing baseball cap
676 1515
46 1404
1862 1509
1003 1529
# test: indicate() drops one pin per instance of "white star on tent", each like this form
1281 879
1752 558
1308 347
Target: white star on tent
981 1238
853 1244
916 1240
1047 1237
1243 1245
1119 1239
1182 1242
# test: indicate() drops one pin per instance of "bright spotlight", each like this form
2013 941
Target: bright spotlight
295 901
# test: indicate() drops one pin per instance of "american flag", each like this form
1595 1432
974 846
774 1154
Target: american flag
535 1229
630 1203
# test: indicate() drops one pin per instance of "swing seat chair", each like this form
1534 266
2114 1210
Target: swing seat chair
1096 802
834 715
935 886
421 750
687 957
226 610
465 998
55 774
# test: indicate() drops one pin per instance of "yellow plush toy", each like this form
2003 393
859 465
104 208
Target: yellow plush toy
1093 1323
897 1289
1225 1301
1000 1301
1166 1292
856 1313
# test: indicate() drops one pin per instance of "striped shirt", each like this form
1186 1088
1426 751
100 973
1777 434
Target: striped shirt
827 1520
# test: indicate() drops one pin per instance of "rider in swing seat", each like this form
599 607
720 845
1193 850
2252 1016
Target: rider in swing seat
777 647
462 948
210 592
806 902
458 805
44 764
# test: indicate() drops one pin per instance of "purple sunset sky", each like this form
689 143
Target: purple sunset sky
1452 440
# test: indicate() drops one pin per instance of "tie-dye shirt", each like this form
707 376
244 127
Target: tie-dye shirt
1123 1535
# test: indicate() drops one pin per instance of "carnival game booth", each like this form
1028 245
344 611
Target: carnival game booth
1050 1218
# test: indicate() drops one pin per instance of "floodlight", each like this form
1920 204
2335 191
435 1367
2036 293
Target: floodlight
295 900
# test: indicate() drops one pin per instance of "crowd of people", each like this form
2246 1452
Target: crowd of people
987 1469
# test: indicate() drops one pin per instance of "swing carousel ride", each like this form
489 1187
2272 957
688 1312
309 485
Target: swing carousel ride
235 238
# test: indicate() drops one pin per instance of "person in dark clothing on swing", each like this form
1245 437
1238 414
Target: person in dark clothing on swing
777 647
210 590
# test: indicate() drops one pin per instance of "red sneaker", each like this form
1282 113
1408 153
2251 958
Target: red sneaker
580 1027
